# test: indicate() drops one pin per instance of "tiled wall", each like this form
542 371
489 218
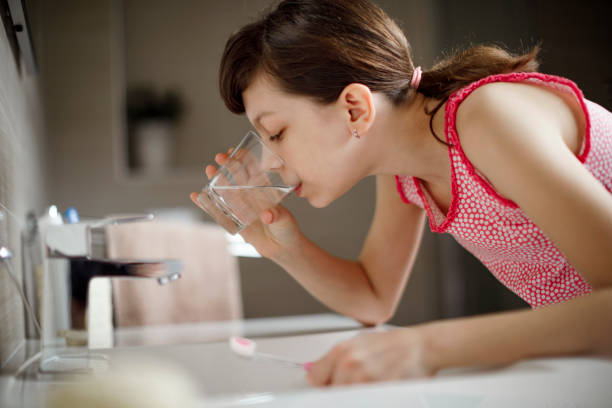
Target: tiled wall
21 181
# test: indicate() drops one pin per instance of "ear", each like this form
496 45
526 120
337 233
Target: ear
357 102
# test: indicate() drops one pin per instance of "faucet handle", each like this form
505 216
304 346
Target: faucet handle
86 239
121 219
96 231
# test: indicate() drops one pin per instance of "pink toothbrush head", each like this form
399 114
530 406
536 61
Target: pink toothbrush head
247 348
241 346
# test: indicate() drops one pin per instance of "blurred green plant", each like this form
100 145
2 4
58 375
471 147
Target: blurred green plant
145 103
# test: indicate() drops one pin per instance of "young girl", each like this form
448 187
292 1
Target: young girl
515 164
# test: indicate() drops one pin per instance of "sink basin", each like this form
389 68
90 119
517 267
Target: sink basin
219 373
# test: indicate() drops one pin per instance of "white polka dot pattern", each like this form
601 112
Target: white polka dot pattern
495 229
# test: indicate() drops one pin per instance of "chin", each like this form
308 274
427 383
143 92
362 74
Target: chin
318 202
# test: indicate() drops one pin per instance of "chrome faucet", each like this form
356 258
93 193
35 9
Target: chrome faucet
73 255
60 262
85 248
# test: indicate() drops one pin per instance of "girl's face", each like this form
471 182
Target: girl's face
314 140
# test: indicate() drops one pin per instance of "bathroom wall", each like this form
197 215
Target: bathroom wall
22 186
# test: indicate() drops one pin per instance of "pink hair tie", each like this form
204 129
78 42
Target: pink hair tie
416 77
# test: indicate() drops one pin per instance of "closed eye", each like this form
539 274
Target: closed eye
277 137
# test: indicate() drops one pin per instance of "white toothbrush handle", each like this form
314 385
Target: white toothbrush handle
279 359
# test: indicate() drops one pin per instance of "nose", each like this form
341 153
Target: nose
270 161
276 170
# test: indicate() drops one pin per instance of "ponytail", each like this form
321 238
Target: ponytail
470 65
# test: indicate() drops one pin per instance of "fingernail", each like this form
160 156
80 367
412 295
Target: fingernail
307 365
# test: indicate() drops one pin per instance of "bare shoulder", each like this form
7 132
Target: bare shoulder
505 112
504 125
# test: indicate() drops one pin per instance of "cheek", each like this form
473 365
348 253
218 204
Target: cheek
324 127
313 150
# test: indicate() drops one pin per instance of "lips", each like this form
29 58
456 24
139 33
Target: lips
298 189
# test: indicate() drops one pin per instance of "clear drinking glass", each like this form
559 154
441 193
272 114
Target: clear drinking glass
252 180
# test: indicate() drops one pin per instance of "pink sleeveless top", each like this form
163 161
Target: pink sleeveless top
495 229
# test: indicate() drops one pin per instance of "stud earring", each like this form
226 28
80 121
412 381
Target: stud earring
355 133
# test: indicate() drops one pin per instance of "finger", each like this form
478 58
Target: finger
267 217
277 214
271 215
210 171
230 150
347 371
321 371
194 198
221 158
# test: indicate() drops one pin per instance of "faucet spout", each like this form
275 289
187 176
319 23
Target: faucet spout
163 271
84 269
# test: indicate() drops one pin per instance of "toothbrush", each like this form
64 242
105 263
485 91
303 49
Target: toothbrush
247 348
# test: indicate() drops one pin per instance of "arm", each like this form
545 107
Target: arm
367 290
514 135
370 288
579 326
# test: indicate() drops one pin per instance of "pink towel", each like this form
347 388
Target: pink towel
209 288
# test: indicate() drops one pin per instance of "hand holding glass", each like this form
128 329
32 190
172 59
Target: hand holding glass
252 180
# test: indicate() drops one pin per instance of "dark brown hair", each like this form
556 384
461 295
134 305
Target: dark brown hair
315 48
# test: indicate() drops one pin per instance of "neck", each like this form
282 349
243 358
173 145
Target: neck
402 142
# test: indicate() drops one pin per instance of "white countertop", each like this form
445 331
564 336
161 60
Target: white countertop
541 383
222 379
